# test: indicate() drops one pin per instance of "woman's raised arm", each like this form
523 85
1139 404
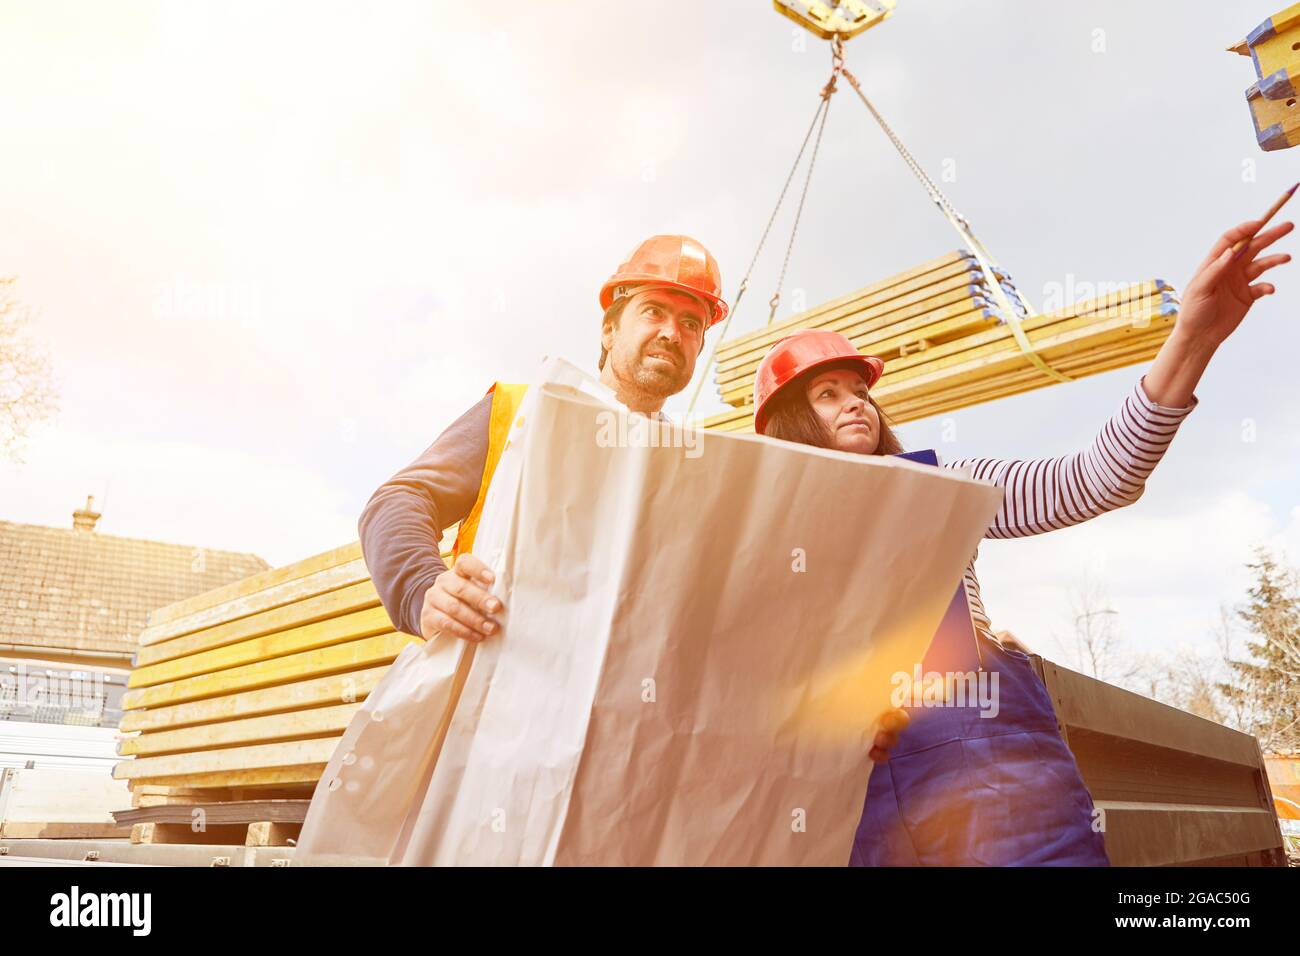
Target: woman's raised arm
1044 494
1048 493
1215 302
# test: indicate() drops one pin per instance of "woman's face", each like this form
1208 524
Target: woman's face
839 397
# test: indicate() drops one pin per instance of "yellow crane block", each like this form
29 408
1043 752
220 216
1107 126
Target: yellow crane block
831 18
1274 47
1277 122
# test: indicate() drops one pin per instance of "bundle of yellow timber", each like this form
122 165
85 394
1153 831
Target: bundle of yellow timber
947 346
242 693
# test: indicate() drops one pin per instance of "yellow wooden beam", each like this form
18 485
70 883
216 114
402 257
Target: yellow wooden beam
942 326
957 272
998 342
330 689
1079 344
328 580
991 338
874 327
970 386
345 600
295 725
305 637
257 757
353 655
302 774
1010 383
256 582
932 265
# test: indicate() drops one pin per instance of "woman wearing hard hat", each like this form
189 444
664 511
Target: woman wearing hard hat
961 788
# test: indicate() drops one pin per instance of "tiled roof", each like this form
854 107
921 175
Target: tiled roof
78 589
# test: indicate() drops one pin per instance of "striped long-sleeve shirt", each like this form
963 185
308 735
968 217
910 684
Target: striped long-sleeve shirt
1044 494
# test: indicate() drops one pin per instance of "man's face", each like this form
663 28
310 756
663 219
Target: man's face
653 348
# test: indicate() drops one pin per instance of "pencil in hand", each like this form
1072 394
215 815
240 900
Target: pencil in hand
1242 243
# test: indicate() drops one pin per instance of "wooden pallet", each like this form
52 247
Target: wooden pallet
251 823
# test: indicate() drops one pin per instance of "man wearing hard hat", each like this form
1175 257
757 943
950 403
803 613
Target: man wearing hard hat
657 307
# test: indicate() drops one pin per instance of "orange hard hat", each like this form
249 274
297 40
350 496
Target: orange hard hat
678 262
802 352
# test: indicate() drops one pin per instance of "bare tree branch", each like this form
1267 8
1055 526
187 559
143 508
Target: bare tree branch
27 392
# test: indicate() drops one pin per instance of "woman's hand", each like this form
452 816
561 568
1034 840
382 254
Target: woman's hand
1214 304
892 723
1221 292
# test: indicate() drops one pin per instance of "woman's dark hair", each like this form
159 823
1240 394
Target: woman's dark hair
791 417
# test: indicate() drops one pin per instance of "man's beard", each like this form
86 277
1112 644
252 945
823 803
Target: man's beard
653 377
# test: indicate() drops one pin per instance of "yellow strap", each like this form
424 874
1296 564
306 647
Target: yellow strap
506 400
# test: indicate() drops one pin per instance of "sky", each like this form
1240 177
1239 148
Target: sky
274 249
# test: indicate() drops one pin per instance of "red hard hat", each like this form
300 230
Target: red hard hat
802 352
678 262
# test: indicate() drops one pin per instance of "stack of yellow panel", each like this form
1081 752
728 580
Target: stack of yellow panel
945 353
937 302
250 686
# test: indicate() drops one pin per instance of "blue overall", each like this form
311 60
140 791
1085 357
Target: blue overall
961 789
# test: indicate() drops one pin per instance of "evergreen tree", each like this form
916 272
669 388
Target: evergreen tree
1267 687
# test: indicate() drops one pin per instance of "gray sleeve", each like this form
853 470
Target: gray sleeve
402 524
